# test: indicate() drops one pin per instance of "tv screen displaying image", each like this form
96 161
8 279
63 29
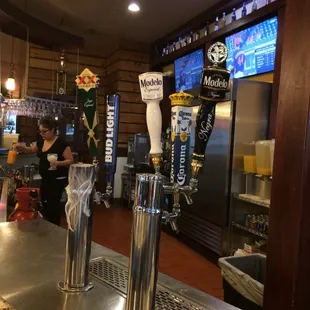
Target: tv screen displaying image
188 70
252 51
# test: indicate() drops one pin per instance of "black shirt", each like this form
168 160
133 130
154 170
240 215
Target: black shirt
58 148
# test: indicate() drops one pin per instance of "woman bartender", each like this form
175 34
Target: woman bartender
53 181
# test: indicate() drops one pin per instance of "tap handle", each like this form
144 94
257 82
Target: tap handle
174 226
106 202
187 192
105 198
213 89
151 85
97 198
204 126
188 199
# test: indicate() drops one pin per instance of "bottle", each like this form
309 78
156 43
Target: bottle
12 156
190 38
233 15
197 35
254 6
207 29
163 52
243 12
216 24
167 49
173 46
178 44
224 19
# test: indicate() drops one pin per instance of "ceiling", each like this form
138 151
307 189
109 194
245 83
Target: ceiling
107 19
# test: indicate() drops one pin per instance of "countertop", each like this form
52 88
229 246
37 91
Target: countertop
32 257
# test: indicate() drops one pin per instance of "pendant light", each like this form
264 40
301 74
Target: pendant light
134 6
10 82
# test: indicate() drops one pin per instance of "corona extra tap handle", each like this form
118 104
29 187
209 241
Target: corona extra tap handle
214 86
151 86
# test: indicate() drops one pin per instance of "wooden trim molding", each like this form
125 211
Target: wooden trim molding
287 284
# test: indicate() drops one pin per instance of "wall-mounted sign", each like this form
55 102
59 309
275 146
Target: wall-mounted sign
87 80
87 83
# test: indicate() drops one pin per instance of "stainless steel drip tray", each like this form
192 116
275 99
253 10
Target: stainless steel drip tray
115 274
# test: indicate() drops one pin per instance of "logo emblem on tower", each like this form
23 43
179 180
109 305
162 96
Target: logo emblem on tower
217 53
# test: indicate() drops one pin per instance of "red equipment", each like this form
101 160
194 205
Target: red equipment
28 205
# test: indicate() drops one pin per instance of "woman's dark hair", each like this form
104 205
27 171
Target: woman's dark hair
49 122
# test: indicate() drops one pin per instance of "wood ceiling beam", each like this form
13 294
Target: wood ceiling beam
39 32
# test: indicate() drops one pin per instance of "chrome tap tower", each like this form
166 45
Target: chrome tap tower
147 211
79 218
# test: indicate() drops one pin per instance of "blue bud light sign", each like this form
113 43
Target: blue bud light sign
112 123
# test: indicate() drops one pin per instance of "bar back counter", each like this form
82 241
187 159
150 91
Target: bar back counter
32 257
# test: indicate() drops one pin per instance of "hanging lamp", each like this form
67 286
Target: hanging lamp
10 82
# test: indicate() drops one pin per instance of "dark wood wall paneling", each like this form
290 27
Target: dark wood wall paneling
118 73
123 68
276 75
44 63
287 284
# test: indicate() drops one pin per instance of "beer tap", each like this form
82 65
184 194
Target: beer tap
98 196
150 188
110 159
214 86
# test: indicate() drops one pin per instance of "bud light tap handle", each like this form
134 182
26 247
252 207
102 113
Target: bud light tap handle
214 86
151 86
112 123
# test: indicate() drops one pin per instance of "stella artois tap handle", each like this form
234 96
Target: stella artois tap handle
214 86
151 86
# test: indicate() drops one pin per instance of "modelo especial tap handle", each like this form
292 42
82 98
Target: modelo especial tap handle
214 85
151 86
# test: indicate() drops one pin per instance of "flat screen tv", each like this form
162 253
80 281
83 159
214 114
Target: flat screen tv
252 51
188 70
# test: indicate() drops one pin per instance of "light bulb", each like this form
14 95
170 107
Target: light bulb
133 7
10 84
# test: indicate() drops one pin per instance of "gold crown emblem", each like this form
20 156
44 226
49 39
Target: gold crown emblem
181 99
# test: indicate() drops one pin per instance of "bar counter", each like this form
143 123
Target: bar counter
32 260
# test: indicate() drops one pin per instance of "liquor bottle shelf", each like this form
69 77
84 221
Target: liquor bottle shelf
253 199
249 230
261 14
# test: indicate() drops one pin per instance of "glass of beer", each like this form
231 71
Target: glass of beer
52 158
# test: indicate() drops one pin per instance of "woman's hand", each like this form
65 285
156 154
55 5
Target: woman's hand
55 164
20 147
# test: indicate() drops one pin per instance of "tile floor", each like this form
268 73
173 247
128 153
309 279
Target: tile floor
112 228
